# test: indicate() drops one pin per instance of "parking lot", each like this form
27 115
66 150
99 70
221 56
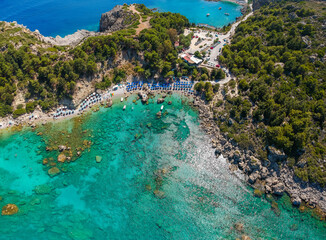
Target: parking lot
210 42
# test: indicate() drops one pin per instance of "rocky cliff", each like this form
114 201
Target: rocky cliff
72 40
116 19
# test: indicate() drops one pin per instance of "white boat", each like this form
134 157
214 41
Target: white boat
207 15
124 107
162 107
227 14
122 99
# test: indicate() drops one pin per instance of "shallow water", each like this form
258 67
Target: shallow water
158 179
63 17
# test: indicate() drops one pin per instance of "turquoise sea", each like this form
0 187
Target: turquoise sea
157 179
63 17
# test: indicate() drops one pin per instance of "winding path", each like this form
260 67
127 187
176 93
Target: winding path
143 24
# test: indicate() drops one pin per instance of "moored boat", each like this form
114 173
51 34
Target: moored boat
122 99
124 107
162 107
227 14
207 15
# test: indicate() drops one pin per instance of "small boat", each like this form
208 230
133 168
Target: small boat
122 99
207 15
219 8
124 107
227 14
162 107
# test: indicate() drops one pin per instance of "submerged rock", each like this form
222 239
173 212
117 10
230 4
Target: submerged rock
62 157
35 201
81 234
9 209
45 161
53 171
239 227
159 194
43 189
258 193
245 237
160 100
98 159
159 114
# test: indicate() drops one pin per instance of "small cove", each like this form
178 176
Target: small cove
158 179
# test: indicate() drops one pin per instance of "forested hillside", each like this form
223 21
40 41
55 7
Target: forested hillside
278 56
45 74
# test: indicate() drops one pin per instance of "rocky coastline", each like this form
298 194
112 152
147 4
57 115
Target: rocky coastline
270 177
111 21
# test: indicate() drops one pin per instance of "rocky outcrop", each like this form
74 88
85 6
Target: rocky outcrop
143 96
71 40
273 174
62 158
116 19
109 103
53 171
275 155
9 209
62 148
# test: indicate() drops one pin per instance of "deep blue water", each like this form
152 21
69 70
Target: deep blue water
63 17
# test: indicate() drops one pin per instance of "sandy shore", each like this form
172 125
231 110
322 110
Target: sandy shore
40 117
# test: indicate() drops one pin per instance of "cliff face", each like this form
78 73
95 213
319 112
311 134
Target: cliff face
116 19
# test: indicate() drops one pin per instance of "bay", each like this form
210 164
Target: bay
63 17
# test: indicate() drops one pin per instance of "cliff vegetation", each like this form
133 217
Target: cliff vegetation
278 56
